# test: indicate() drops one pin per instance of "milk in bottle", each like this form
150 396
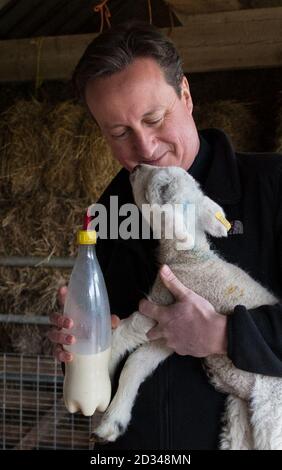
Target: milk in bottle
87 385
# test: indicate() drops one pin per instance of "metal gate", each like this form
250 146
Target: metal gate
33 415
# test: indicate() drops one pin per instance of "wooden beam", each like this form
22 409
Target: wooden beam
218 41
51 58
242 39
184 8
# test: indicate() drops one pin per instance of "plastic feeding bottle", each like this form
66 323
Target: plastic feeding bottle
87 385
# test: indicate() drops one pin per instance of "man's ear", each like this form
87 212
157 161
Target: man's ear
212 218
186 95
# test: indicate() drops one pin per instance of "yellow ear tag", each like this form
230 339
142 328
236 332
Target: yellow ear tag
223 220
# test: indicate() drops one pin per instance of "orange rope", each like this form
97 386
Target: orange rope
104 12
150 11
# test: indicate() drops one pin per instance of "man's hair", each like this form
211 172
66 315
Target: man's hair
115 49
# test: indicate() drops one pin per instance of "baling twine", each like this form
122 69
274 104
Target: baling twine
104 12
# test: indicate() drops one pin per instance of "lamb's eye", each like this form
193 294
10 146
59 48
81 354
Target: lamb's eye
146 195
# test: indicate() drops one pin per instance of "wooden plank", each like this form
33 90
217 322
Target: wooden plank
231 40
46 426
219 41
28 398
56 56
30 416
184 8
81 439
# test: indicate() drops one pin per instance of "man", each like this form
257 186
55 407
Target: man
132 82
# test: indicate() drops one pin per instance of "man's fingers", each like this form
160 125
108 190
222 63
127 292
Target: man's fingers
62 355
173 284
149 309
57 336
60 321
62 293
155 333
115 321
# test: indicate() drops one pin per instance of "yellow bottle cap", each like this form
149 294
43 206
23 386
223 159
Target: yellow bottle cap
86 237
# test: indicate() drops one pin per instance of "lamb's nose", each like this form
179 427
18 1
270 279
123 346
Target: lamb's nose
135 168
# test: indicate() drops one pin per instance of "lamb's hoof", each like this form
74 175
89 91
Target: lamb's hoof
107 432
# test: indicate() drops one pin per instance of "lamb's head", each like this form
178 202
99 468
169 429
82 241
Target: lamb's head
171 190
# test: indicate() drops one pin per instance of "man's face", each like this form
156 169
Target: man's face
142 118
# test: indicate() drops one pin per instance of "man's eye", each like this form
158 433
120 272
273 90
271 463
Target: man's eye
156 121
120 136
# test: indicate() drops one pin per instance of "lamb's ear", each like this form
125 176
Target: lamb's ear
212 218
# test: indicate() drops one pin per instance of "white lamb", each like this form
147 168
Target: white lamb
253 416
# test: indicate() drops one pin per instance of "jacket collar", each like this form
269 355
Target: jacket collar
222 183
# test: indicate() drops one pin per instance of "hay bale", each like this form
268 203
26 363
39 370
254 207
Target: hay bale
97 166
27 291
22 147
58 148
64 149
25 339
79 162
41 226
31 290
236 119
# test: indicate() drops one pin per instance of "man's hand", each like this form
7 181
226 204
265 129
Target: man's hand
60 338
190 326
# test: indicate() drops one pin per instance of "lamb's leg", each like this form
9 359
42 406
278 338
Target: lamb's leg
138 366
130 334
227 378
236 433
266 409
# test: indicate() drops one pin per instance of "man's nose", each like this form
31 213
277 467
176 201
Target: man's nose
146 145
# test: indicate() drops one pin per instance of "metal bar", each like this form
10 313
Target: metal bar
29 420
30 378
24 319
37 261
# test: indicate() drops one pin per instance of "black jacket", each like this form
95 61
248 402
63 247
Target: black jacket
177 408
